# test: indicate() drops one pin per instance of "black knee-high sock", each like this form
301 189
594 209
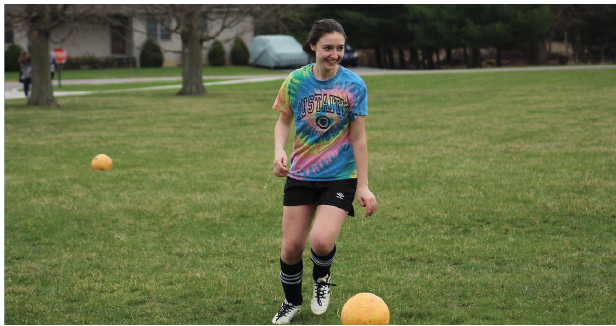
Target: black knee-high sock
322 264
291 278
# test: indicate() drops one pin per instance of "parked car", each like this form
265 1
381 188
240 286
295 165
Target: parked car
277 51
350 57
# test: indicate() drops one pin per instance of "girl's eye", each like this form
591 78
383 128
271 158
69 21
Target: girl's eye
327 48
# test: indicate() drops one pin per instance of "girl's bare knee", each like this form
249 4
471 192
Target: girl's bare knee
292 252
321 246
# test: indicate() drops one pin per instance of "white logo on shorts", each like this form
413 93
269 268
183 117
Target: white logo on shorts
340 195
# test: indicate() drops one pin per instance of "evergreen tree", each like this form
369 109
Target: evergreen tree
217 56
151 54
240 56
11 56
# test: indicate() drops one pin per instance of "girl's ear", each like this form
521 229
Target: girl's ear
313 47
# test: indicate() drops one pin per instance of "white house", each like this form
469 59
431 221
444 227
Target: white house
124 40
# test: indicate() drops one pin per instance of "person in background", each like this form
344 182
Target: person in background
52 63
25 71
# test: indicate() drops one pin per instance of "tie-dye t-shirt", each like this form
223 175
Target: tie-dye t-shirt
322 148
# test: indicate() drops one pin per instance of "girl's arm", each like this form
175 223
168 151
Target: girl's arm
360 151
281 134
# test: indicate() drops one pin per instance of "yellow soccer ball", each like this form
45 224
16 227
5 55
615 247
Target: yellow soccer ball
365 309
102 162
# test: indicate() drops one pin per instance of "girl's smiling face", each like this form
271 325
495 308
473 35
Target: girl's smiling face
329 50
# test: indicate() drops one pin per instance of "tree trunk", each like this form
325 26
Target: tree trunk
415 58
532 54
566 46
386 61
448 58
537 53
390 55
499 53
379 58
438 59
42 89
476 58
401 58
466 62
192 49
430 58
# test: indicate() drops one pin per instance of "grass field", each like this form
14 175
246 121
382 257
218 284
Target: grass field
121 86
496 205
149 72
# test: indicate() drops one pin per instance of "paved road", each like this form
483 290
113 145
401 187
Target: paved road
11 87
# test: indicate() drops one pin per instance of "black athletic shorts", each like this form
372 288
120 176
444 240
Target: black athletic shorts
338 193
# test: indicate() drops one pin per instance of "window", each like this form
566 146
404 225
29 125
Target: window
165 31
158 29
152 29
8 34
118 35
204 25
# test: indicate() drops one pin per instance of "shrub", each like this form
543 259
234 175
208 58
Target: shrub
89 61
85 61
217 54
151 54
11 56
240 55
108 62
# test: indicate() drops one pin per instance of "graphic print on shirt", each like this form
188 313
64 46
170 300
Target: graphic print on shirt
323 110
326 103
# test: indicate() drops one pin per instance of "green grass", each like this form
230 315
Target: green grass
496 205
108 87
151 72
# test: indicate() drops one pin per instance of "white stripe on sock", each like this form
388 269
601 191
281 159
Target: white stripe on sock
291 279
323 263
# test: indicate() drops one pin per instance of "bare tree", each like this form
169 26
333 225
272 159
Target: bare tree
189 19
282 19
39 21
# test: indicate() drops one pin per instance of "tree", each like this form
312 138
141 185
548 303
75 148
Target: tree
240 55
533 24
217 56
432 28
11 56
287 19
590 29
380 27
487 26
438 27
40 20
151 54
189 20
503 25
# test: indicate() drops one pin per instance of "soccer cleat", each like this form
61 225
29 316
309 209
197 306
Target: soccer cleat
286 313
321 294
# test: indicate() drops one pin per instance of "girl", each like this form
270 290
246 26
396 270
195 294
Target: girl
329 164
24 71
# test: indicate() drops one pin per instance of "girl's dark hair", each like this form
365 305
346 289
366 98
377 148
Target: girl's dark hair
320 28
22 57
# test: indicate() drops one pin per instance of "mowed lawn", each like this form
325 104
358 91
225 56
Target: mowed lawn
496 195
148 72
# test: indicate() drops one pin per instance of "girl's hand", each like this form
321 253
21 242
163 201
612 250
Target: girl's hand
366 199
280 164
